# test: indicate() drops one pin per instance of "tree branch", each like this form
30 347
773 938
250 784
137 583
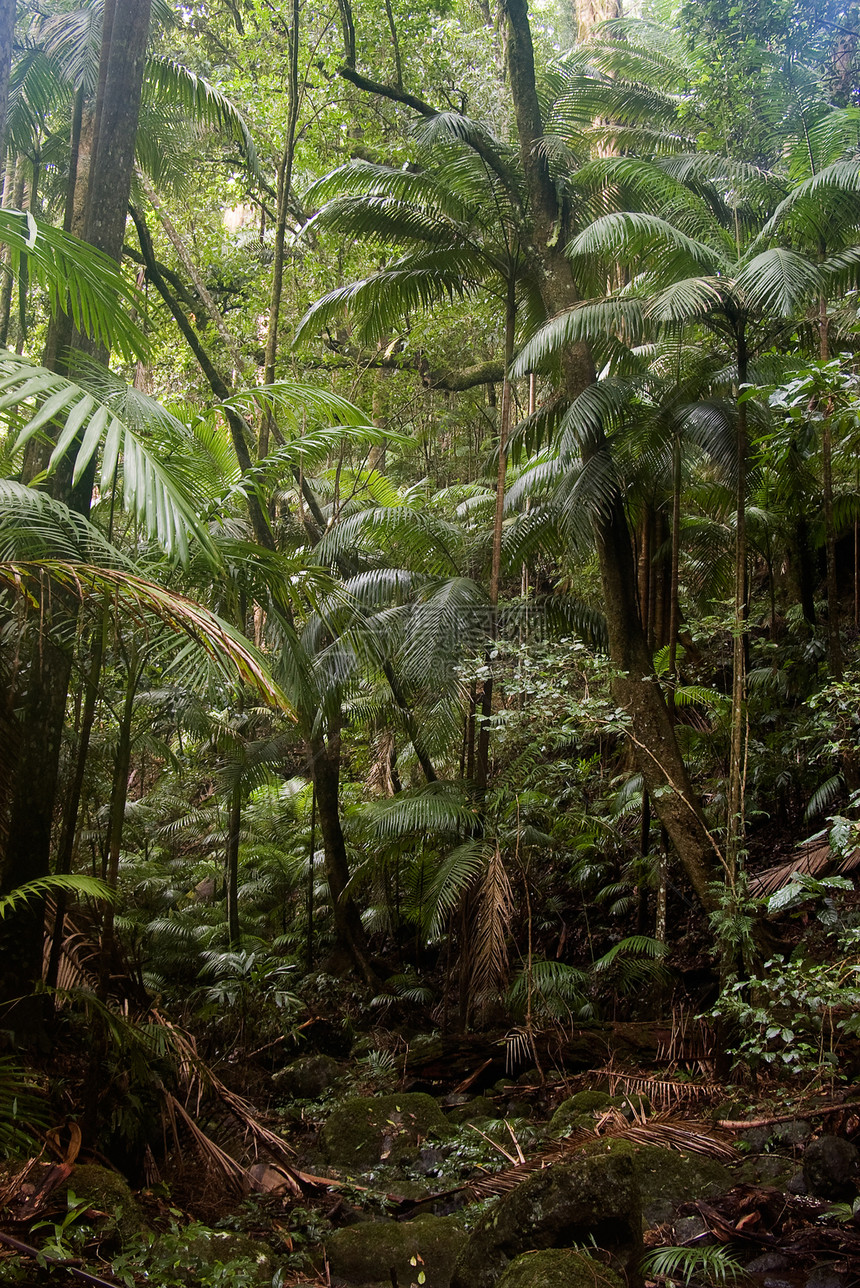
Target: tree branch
425 109
445 378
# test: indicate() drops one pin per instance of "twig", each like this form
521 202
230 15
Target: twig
741 1125
27 1251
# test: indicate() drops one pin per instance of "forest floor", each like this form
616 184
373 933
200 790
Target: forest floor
395 1162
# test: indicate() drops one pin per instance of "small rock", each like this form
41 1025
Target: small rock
767 1261
831 1167
762 1139
472 1110
824 1277
794 1133
366 1254
767 1169
687 1228
571 1112
757 1139
109 1194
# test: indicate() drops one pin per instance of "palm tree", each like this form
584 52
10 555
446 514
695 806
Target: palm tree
457 216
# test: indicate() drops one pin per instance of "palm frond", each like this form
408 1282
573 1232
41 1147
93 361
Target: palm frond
779 281
79 280
89 887
166 79
138 598
435 809
34 398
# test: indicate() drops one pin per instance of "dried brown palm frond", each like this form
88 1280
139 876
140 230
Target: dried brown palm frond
78 965
493 912
381 776
813 858
233 1173
694 1138
691 1039
198 1078
664 1093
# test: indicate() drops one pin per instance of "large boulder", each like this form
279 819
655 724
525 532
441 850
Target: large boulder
831 1168
568 1204
666 1178
558 1268
363 1256
366 1131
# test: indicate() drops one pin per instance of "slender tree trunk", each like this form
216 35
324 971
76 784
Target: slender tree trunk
636 687
119 797
834 643
349 932
285 182
8 280
66 847
309 890
231 866
8 10
674 604
482 754
735 821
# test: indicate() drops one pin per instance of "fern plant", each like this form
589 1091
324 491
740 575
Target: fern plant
711 1267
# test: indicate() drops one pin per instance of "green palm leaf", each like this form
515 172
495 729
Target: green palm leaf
779 281
33 398
78 279
168 81
145 601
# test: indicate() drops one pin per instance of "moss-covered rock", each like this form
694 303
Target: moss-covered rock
593 1197
363 1256
767 1169
667 1177
472 1110
558 1268
108 1193
581 1109
195 1254
308 1077
365 1131
578 1110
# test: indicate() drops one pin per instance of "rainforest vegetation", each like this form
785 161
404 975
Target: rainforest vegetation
429 641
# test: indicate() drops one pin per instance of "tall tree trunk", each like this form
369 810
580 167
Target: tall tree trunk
125 35
482 754
119 798
231 865
834 644
285 183
636 687
8 9
735 822
591 13
66 846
